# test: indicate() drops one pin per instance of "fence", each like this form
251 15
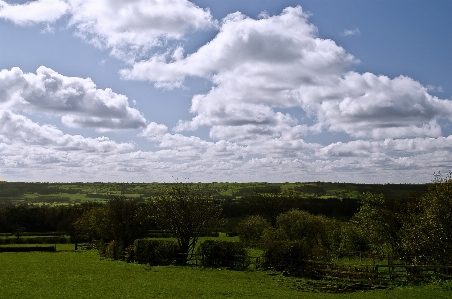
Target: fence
377 273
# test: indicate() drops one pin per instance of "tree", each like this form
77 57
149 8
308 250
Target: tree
303 226
269 205
428 236
300 227
188 211
382 219
121 219
251 230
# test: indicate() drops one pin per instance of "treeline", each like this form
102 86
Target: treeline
15 219
42 218
270 205
413 229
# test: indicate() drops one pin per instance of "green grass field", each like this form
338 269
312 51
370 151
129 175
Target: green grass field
84 275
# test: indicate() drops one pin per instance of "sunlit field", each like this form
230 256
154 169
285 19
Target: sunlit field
85 275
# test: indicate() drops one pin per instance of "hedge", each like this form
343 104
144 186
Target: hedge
223 254
35 240
155 252
286 255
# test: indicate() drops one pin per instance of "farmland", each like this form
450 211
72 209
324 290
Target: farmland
70 193
286 228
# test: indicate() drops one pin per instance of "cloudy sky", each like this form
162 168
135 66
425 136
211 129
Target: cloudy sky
259 90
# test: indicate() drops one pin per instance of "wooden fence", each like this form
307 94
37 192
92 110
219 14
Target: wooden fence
377 273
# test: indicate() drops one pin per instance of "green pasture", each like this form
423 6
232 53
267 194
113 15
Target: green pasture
68 193
84 275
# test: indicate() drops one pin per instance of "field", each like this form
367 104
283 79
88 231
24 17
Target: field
84 275
70 193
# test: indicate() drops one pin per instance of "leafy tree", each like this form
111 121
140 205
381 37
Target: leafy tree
270 205
302 227
251 230
428 236
382 219
121 219
188 211
92 223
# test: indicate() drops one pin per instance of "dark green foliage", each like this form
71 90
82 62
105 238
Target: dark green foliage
382 219
28 249
121 219
427 235
39 218
35 240
113 250
155 252
352 240
223 254
251 230
286 255
188 211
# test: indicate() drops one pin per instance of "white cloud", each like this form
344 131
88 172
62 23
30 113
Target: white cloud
365 105
348 32
400 147
280 62
40 11
77 100
15 128
154 129
131 28
255 65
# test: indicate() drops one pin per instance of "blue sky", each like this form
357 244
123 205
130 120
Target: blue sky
152 90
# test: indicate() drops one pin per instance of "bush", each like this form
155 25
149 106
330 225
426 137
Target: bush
251 230
223 254
113 250
155 252
286 255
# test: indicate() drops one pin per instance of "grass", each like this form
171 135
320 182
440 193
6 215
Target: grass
83 275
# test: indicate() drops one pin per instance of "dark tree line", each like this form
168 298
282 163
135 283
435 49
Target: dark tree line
270 205
45 218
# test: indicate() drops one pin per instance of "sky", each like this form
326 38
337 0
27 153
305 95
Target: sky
225 91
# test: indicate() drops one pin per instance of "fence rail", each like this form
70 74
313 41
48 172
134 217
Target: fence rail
378 273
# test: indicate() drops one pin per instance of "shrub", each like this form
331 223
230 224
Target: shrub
286 255
113 250
223 254
155 252
251 230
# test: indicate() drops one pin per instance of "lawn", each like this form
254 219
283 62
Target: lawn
84 275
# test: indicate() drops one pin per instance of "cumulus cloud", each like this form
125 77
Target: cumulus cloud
131 28
15 128
366 105
33 12
358 148
77 100
280 62
154 129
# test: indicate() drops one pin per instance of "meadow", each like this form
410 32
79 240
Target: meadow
69 274
70 193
